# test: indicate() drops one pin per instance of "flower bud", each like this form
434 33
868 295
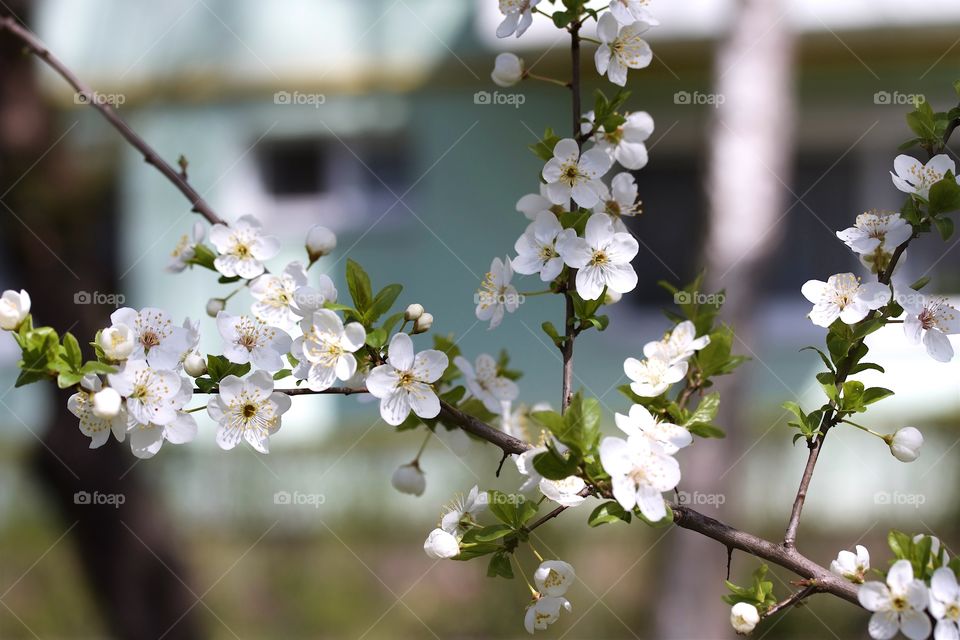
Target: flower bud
408 478
441 545
117 342
14 308
507 70
905 444
106 403
320 242
215 306
413 312
612 297
423 323
195 365
744 617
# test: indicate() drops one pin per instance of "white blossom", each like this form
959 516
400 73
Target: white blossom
678 345
518 16
625 144
570 174
640 422
640 471
403 383
912 176
441 545
620 201
507 70
186 248
325 351
247 339
409 478
621 48
97 429
537 247
524 462
554 577
652 376
157 339
852 566
247 409
945 604
152 395
843 296
485 382
496 295
905 444
744 617
898 605
243 247
602 258
14 308
533 204
565 492
146 439
463 512
308 298
630 11
118 342
275 296
543 612
930 320
876 230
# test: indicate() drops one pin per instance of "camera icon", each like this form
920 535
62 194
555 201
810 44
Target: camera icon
682 97
282 97
682 297
882 97
82 297
81 497
81 98
881 497
482 97
281 497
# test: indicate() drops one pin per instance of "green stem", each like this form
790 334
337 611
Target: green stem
422 447
863 428
534 76
530 294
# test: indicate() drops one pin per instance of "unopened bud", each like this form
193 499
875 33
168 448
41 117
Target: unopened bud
215 306
106 403
413 312
195 365
320 242
409 479
612 297
423 323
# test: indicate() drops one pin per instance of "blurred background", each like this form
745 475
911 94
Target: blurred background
777 123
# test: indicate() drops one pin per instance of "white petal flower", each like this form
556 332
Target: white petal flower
554 577
852 566
518 16
533 204
463 512
409 478
621 48
843 296
640 422
156 337
640 471
325 350
496 295
507 70
485 383
537 247
602 258
118 342
247 409
905 444
524 463
249 340
876 230
627 143
152 395
97 429
945 604
629 11
146 439
653 376
570 174
14 308
243 247
275 296
441 545
307 299
565 492
912 176
678 345
543 612
403 384
744 617
186 248
898 605
930 319
620 201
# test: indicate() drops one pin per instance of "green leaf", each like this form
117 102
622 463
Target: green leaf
382 303
218 368
706 430
543 149
492 532
94 366
706 410
875 394
921 283
283 373
823 356
944 227
358 282
376 338
500 565
551 331
608 512
552 466
72 354
944 195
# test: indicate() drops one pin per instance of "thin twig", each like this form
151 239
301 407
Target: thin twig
793 599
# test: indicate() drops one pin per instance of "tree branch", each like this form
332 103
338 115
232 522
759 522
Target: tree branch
793 599
37 48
